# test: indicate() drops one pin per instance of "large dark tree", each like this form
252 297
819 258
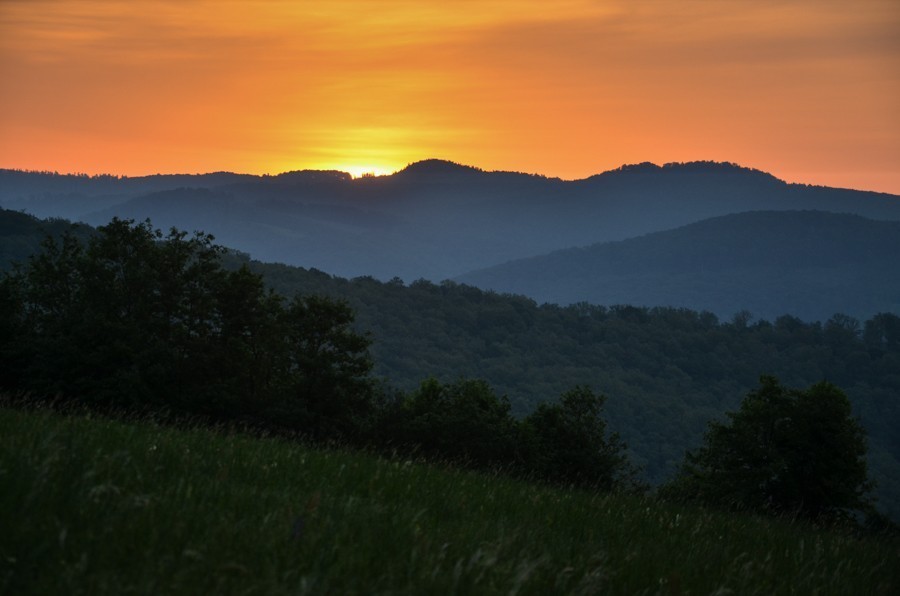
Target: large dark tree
125 318
137 318
785 451
464 421
326 366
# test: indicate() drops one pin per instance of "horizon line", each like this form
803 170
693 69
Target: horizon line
364 175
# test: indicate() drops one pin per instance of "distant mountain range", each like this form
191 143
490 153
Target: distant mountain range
438 220
810 264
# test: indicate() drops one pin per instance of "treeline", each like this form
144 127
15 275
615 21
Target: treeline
134 321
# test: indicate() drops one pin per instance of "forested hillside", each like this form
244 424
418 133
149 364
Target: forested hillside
21 235
666 372
810 264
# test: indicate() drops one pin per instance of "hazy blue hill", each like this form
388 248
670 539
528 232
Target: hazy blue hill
278 226
21 235
313 177
436 167
807 263
686 169
434 219
49 194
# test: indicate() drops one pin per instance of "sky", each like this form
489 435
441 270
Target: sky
808 90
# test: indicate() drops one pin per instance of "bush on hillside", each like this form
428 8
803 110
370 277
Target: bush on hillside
785 451
570 443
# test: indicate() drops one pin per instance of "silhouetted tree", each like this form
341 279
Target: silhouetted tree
464 421
882 332
785 451
136 318
327 367
570 443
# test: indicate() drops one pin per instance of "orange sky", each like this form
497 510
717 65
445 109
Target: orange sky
806 89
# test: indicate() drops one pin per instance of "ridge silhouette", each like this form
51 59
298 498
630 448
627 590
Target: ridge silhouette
435 219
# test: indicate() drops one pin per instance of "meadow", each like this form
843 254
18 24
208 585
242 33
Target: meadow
96 506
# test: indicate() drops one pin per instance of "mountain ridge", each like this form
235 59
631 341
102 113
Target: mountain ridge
425 166
435 219
809 263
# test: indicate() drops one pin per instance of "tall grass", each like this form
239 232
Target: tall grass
92 506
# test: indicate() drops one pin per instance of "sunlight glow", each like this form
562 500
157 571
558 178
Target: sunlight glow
361 171
566 89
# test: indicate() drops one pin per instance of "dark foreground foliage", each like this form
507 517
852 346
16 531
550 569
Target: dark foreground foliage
138 320
133 320
785 452
93 506
666 371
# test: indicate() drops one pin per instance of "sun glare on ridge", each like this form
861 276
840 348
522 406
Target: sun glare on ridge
360 171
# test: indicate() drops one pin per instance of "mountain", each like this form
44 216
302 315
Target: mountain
434 219
810 264
21 236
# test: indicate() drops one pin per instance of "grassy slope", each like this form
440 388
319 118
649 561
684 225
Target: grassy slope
92 506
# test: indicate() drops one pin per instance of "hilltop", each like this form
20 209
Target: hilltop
810 264
432 220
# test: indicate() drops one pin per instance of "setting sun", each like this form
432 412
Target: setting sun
358 171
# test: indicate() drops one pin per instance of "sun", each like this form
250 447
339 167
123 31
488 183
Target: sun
360 171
